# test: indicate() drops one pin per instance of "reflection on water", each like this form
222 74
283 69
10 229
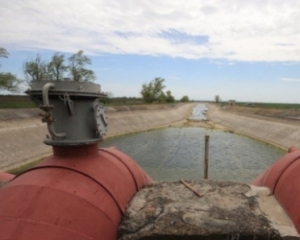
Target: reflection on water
177 153
199 112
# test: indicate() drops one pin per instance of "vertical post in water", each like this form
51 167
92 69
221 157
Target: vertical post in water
206 157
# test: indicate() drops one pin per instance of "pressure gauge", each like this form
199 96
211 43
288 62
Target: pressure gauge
101 120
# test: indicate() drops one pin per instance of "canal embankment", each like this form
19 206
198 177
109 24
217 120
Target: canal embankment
22 132
280 132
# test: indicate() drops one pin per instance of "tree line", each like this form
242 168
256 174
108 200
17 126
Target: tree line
8 81
57 69
152 92
75 68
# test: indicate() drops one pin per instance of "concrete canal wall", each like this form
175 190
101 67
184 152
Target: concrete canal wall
22 133
281 134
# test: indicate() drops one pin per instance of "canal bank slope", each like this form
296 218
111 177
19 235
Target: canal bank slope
283 133
22 133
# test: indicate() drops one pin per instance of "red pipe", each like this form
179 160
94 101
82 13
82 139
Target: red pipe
283 178
77 193
5 177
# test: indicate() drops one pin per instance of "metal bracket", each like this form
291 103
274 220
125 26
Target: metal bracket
100 120
68 102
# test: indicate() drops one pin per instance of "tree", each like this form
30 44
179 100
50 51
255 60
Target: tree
162 97
169 97
184 99
217 99
151 91
8 81
3 53
107 99
56 67
39 70
77 71
35 70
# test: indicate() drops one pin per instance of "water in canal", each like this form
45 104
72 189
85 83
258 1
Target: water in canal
177 153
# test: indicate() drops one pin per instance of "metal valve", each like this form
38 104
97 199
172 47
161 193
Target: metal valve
71 111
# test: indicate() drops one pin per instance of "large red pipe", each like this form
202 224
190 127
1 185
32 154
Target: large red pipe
283 178
77 193
5 177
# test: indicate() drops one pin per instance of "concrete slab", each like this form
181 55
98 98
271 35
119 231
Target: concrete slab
226 210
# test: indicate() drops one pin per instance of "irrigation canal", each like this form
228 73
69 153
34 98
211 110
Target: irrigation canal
178 153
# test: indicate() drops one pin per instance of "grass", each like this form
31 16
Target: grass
17 105
23 101
23 168
16 101
291 106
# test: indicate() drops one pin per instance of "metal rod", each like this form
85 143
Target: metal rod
191 188
206 157
46 88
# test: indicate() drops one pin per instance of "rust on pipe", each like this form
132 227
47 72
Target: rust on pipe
77 193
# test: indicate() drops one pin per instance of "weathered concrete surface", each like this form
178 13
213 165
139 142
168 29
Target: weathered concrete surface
140 120
22 132
280 134
21 142
226 210
13 114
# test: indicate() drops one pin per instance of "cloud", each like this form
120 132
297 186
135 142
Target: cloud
290 79
253 30
209 10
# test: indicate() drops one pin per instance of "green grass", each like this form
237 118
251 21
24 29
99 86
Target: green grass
290 106
23 168
17 105
16 101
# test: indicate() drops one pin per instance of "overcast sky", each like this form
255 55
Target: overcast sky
248 50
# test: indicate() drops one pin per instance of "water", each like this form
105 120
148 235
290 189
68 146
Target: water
199 112
177 153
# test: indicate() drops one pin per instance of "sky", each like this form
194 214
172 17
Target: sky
244 50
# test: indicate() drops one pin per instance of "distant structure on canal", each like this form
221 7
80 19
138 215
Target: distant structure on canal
231 102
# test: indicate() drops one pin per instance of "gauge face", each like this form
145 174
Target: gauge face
101 120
